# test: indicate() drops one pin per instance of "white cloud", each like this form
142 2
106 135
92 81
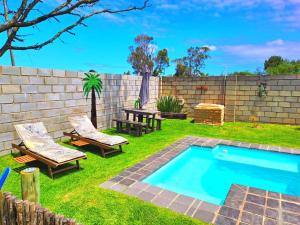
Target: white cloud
282 11
286 49
169 6
113 17
211 47
275 42
153 48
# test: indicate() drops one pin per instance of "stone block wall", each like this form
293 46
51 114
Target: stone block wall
240 96
48 95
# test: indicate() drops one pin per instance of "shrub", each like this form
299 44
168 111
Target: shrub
285 68
169 104
273 61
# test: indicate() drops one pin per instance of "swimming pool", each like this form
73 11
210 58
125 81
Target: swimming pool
207 174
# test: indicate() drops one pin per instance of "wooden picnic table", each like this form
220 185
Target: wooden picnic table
140 114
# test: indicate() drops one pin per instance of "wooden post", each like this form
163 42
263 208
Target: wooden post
1 208
19 213
12 214
33 213
30 184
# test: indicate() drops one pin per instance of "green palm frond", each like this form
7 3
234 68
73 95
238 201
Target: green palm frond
92 80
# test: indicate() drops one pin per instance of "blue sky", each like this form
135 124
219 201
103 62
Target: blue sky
241 33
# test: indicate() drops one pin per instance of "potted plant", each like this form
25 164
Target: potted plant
171 107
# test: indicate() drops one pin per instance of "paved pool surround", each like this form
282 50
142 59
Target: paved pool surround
243 205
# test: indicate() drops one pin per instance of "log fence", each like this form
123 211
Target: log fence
19 212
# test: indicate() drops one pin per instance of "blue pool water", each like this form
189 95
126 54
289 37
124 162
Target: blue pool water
207 174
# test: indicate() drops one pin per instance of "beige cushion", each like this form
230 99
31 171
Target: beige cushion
36 138
85 128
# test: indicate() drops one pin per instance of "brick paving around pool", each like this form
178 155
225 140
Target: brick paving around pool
243 205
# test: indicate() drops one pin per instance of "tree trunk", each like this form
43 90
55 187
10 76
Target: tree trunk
30 184
94 109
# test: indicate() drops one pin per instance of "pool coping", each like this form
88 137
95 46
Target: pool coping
243 205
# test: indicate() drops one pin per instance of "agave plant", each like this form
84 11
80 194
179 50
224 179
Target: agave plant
169 104
92 83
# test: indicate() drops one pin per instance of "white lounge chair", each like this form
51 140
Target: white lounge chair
37 143
86 132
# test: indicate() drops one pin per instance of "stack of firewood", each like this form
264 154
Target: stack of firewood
211 114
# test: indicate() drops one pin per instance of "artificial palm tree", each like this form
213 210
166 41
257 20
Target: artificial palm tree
92 83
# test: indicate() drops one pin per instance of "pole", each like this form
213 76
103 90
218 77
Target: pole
235 92
30 184
12 58
4 176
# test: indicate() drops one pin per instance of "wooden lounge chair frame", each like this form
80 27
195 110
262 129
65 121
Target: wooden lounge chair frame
104 148
52 165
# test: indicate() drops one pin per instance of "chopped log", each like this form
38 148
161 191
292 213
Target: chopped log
26 209
7 197
33 213
58 219
52 219
19 209
40 216
65 221
30 184
46 217
12 210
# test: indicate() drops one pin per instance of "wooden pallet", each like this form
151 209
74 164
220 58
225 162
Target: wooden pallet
24 159
79 143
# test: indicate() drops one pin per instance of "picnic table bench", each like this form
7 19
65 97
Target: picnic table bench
158 121
142 121
131 127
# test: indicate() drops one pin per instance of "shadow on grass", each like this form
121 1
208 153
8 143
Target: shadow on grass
44 169
89 148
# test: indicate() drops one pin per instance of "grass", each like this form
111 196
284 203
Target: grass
77 194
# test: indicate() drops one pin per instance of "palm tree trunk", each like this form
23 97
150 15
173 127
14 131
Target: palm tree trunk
94 109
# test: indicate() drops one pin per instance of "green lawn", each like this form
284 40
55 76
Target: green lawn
77 194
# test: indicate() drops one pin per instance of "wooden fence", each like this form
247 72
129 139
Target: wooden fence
19 212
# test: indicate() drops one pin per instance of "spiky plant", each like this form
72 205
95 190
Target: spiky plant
169 104
92 83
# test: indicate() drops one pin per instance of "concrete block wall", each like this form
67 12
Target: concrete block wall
49 95
190 90
281 105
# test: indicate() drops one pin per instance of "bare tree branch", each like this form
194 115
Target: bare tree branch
12 58
68 7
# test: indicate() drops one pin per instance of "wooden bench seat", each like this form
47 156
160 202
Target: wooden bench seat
158 121
131 127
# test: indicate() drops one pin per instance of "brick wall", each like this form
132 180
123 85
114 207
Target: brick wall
50 96
281 105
